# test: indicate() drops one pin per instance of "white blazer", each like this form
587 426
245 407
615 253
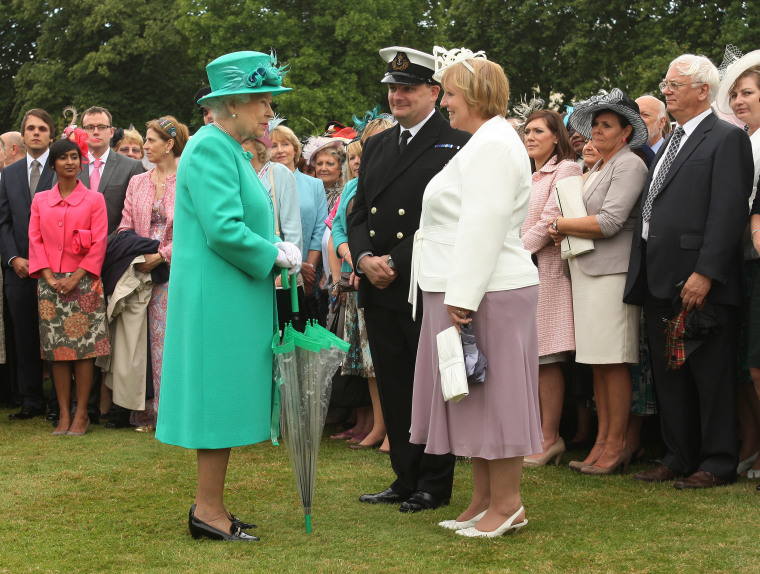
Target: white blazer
469 242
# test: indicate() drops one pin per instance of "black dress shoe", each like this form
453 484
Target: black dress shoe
118 418
53 416
388 496
422 501
199 529
26 412
234 519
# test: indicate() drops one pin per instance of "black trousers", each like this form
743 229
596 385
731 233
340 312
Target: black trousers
21 295
393 338
698 401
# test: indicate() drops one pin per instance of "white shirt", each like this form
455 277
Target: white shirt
103 158
414 129
657 145
43 162
688 129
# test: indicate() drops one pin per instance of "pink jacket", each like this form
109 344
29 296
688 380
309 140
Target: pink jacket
65 234
556 329
138 207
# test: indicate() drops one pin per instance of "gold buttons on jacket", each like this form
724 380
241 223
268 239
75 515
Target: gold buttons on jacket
401 212
400 235
371 232
373 210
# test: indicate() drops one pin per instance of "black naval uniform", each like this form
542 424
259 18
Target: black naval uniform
385 215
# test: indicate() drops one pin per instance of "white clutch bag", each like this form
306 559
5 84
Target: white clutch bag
569 197
451 365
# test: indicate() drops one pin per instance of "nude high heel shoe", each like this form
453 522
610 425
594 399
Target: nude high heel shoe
555 452
577 465
621 463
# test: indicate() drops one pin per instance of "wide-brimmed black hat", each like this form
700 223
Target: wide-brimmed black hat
616 101
408 66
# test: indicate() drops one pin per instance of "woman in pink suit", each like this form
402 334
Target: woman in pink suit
552 158
67 245
149 211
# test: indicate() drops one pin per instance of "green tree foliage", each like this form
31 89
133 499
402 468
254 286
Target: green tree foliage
126 56
143 59
331 47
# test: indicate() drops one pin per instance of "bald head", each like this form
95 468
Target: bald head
655 115
15 149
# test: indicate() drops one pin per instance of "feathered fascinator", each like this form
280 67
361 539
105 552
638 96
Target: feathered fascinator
446 58
274 122
75 134
731 55
525 109
361 123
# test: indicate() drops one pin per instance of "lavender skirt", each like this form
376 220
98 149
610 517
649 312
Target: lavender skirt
500 418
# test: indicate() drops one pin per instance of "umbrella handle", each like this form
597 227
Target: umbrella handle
293 290
307 519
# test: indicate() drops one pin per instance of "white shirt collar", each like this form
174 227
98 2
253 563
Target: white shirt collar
414 129
43 159
103 158
692 124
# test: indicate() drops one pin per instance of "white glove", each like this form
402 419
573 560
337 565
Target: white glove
288 257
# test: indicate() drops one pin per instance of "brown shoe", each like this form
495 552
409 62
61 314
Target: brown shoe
660 474
700 479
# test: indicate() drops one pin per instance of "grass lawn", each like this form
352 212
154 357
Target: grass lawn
117 501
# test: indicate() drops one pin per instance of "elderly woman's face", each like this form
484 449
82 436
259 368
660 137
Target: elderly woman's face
460 115
539 141
744 99
607 133
283 152
253 117
590 155
327 168
132 150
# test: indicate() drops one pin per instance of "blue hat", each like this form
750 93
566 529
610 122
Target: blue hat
245 73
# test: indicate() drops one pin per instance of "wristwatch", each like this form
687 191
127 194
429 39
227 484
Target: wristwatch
391 264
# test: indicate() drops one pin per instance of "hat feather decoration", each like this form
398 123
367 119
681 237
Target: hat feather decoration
525 109
446 58
75 134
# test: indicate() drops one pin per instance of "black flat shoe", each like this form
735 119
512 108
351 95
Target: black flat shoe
53 416
234 519
388 496
422 501
199 529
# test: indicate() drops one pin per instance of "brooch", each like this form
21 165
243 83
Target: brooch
450 146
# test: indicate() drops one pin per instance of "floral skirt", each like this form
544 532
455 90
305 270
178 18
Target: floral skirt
73 326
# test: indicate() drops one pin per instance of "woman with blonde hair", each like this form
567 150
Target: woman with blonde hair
472 268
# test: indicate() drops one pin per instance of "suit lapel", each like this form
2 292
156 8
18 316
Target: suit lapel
84 175
696 138
420 143
108 171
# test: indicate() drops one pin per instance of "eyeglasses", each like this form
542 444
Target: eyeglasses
126 149
674 86
100 128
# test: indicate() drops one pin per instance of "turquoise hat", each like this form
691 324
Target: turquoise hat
245 73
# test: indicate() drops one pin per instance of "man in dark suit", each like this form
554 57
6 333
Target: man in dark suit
687 244
114 170
109 173
396 167
19 183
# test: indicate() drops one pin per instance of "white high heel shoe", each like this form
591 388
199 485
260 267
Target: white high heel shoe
455 525
508 526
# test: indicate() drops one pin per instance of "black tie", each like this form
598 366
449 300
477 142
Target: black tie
405 135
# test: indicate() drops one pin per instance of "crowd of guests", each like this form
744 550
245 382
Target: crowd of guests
395 230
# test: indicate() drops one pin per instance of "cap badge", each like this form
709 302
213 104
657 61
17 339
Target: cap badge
400 62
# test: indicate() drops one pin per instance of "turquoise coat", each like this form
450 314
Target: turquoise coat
340 223
216 384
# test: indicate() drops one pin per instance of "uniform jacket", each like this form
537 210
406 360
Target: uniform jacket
697 218
119 169
58 225
16 207
388 201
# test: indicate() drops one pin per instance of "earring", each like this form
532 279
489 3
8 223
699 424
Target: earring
167 151
623 140
234 115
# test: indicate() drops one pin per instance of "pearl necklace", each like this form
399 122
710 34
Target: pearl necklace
217 124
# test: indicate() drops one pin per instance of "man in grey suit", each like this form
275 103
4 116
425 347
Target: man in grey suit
109 173
19 183
114 170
